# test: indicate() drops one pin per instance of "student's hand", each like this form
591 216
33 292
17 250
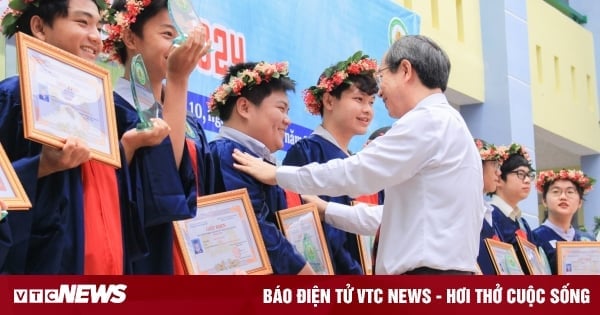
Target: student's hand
184 58
255 167
73 153
136 139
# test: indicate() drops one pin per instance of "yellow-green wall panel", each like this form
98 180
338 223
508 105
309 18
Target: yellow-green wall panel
563 76
456 26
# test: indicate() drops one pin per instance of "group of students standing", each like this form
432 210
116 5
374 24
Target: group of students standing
508 177
88 218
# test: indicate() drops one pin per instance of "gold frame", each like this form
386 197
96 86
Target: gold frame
532 269
365 256
20 200
491 244
283 216
106 136
562 246
256 246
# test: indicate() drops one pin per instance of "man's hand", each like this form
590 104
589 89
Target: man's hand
255 167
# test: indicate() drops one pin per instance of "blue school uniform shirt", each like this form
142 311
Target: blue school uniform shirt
546 236
266 199
507 226
161 192
321 147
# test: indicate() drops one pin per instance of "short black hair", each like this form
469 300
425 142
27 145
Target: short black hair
255 93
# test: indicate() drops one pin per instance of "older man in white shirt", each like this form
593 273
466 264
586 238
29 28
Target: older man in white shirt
426 163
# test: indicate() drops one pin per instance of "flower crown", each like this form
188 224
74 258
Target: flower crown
576 176
488 151
118 21
514 148
334 76
246 78
16 8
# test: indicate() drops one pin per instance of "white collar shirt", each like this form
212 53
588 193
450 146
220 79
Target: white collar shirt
505 208
431 173
568 235
255 146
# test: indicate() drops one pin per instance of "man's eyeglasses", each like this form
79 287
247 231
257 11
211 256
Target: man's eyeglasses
570 192
379 75
523 174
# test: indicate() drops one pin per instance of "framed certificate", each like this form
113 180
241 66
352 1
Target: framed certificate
578 258
302 227
365 246
530 258
503 257
11 190
223 238
63 95
365 242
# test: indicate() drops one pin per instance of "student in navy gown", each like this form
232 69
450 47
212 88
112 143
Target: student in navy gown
164 171
74 225
491 159
562 195
253 104
514 185
346 108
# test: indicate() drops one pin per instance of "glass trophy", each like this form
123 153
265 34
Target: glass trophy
184 16
146 105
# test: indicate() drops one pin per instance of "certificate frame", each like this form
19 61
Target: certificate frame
64 95
365 250
226 228
11 189
365 245
301 226
504 257
578 258
530 257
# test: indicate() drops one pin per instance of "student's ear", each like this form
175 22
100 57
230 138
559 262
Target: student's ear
242 107
38 28
128 39
328 101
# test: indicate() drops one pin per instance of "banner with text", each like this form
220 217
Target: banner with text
311 35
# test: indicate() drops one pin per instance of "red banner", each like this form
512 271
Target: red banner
299 294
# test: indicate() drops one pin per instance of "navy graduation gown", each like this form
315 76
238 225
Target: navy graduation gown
483 259
545 237
49 238
203 158
343 246
162 194
266 199
506 228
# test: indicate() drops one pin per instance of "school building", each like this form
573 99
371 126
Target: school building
522 71
526 71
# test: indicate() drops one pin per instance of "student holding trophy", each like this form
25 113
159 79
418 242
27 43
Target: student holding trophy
164 171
